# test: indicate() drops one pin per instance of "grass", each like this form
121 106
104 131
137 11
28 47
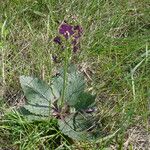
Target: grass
115 46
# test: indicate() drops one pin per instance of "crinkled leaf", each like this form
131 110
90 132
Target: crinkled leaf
80 127
74 94
38 109
37 91
67 128
84 101
83 121
30 116
57 82
74 87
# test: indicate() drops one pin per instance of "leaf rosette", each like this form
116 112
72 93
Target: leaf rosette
76 118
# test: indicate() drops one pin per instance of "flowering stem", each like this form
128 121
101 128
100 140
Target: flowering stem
64 77
50 77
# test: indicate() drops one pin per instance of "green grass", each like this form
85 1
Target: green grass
22 134
116 39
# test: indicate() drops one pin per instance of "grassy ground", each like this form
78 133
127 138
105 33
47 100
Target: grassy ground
114 46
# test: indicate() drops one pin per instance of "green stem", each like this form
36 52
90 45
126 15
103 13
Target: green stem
50 77
64 77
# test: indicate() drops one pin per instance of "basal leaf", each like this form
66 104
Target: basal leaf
80 127
83 121
36 91
74 87
57 82
84 101
38 109
35 118
30 116
67 128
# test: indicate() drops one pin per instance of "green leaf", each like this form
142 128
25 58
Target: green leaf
30 116
74 94
80 127
74 87
39 95
84 101
83 121
57 82
67 128
37 91
38 109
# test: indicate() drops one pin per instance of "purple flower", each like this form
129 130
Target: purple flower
57 40
69 31
66 30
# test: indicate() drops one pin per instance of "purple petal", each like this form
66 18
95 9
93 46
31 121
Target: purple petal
57 40
66 30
